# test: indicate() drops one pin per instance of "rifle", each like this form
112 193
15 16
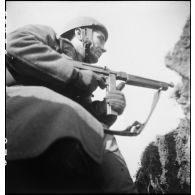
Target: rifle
111 77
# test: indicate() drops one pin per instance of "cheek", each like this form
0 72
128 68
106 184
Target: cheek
97 43
94 47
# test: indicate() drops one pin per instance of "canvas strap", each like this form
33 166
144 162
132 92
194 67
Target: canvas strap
136 128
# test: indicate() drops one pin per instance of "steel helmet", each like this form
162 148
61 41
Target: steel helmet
84 22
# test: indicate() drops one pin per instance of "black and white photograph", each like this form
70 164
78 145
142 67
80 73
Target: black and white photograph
98 97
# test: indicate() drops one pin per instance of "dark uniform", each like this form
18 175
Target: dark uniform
55 137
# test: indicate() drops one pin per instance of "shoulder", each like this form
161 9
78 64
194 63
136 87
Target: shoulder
40 29
35 29
43 33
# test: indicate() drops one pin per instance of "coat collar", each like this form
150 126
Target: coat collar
67 48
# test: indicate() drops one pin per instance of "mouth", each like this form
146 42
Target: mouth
98 54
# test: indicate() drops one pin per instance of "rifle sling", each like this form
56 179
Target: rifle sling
138 127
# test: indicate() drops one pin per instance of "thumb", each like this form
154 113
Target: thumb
120 86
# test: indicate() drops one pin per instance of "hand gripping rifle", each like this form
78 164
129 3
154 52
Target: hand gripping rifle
111 77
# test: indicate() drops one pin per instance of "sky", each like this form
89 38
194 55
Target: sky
141 33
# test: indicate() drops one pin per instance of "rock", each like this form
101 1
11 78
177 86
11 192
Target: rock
165 163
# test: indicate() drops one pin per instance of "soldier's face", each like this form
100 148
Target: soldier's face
97 46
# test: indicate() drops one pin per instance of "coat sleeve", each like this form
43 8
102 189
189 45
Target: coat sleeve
35 47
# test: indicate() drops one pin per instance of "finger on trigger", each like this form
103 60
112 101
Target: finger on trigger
120 86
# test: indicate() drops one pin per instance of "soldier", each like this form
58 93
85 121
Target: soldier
56 141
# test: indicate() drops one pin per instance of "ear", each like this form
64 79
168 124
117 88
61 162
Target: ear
78 34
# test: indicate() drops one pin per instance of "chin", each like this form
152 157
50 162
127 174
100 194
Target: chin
93 59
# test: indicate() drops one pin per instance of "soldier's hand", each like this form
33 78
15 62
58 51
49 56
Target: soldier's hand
88 81
117 99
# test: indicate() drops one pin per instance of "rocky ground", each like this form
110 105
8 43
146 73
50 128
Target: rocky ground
165 163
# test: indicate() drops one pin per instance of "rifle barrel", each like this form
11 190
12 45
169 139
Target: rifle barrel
148 83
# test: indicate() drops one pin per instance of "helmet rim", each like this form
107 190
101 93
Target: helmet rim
84 22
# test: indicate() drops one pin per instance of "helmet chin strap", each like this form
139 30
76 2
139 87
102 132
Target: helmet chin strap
87 36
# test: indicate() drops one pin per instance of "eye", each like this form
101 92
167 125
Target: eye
101 39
